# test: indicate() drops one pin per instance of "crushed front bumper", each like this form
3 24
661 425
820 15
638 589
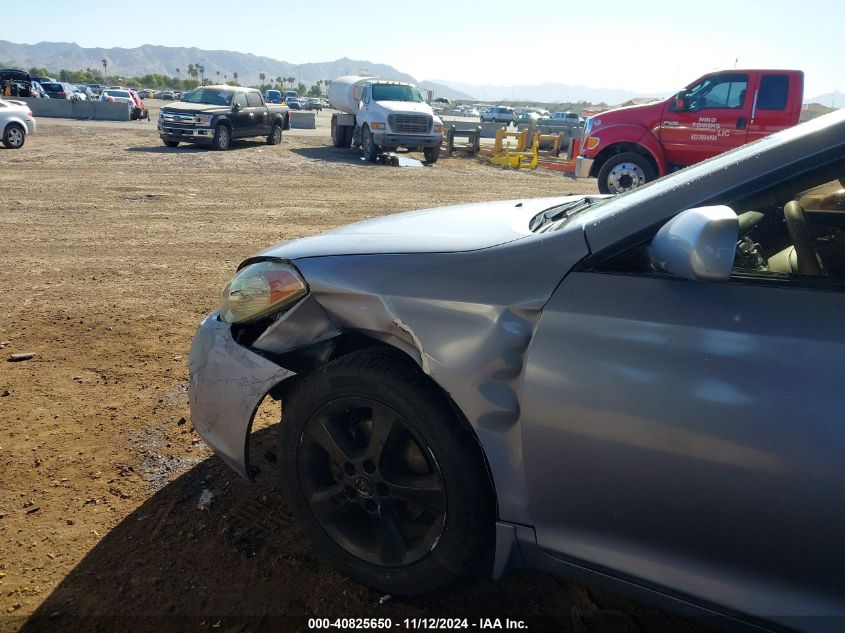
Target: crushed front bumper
227 383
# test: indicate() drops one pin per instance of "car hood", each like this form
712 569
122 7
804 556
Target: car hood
452 229
406 106
181 106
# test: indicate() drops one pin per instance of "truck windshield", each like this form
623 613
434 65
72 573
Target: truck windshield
396 92
209 97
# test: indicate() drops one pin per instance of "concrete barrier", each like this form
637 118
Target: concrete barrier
489 128
303 120
74 109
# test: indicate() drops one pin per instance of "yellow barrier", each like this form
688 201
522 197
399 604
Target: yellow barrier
519 158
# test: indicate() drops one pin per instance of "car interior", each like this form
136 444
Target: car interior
793 229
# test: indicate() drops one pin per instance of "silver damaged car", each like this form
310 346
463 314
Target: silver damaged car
642 392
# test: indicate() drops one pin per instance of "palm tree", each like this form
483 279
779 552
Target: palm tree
235 75
105 69
201 71
261 77
225 78
192 72
218 76
279 81
178 70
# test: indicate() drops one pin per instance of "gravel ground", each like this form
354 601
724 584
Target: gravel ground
114 247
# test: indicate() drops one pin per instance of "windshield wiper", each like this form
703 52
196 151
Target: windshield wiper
553 218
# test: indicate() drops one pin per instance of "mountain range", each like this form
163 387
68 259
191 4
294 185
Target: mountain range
166 60
135 62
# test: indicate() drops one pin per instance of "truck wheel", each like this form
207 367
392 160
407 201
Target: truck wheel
383 478
368 145
171 143
221 139
14 136
623 172
337 133
431 154
275 134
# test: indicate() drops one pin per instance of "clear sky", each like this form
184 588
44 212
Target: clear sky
641 45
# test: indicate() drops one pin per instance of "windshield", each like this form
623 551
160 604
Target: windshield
396 92
209 97
117 93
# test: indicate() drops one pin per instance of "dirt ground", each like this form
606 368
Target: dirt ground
113 248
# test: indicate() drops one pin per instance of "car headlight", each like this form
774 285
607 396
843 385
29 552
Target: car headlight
204 119
260 289
374 125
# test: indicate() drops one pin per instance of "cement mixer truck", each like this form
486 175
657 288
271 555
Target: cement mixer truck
379 115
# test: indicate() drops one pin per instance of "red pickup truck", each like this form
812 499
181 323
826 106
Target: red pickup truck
627 147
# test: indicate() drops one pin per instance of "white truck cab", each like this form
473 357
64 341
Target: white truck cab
381 115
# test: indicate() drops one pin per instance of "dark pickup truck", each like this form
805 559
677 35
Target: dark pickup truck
214 115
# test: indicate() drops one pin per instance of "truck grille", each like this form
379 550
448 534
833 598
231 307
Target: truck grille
409 123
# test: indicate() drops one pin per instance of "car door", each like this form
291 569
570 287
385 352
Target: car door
770 105
242 122
257 113
713 119
688 435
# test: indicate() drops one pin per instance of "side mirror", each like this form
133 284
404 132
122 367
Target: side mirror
680 100
236 107
698 244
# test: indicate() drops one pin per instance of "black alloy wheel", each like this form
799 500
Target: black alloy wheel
387 482
371 482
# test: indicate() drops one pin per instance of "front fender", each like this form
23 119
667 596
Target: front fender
626 134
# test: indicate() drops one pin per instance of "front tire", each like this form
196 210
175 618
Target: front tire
221 139
383 478
623 172
368 145
431 154
14 136
171 143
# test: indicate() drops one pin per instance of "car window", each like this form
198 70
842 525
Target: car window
254 99
722 91
791 229
240 100
774 92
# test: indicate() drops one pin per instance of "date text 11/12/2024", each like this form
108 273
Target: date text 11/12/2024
416 624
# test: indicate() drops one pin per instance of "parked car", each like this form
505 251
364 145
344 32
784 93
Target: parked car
312 103
642 391
15 83
59 90
96 89
167 95
16 123
84 93
37 92
214 115
293 103
111 95
273 96
498 114
44 80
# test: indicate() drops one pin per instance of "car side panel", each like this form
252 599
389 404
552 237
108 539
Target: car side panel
687 434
